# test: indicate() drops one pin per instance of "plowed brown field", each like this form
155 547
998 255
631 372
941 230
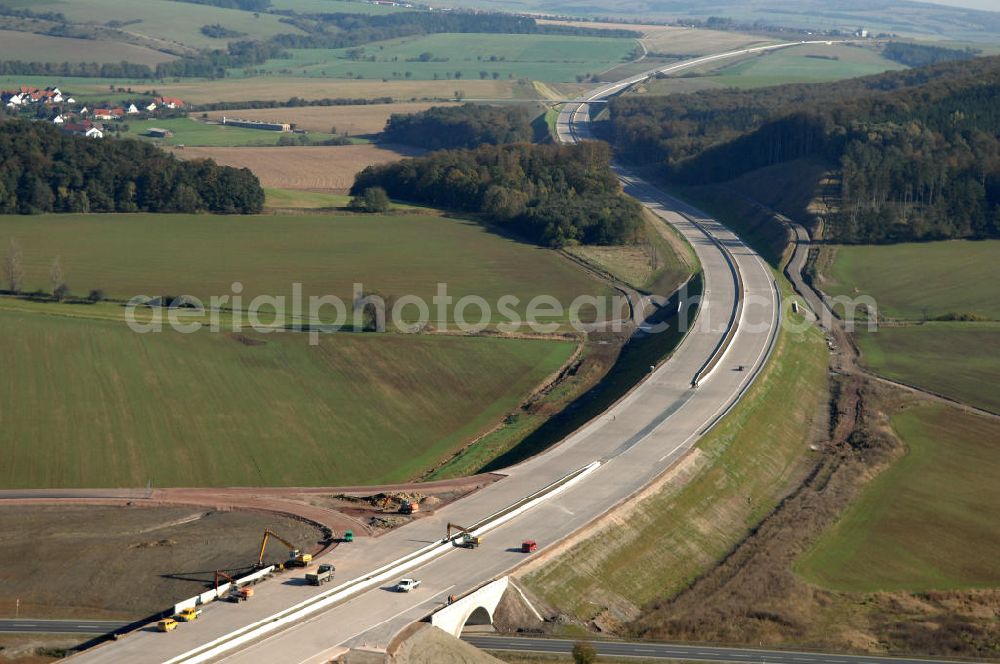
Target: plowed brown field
330 168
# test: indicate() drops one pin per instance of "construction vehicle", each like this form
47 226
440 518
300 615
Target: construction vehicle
467 539
188 614
166 625
406 585
322 574
528 546
295 557
236 594
409 507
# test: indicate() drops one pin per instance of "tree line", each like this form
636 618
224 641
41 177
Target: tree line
465 126
246 5
549 194
44 170
917 152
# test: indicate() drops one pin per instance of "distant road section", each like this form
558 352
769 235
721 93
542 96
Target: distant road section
649 650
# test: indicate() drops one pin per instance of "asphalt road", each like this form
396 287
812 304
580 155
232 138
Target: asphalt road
32 626
637 440
650 650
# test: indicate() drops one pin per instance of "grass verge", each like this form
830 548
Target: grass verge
737 474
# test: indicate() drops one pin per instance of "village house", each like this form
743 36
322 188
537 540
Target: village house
170 102
84 128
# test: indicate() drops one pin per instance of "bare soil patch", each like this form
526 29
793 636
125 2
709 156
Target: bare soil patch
126 562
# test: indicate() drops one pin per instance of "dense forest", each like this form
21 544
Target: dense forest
921 55
466 126
917 152
550 194
44 170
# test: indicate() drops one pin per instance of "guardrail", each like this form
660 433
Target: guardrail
390 570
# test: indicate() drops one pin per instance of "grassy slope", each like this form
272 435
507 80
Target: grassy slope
543 57
959 360
947 486
675 534
921 280
91 403
203 255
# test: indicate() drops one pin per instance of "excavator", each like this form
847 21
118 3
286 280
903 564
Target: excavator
467 539
295 557
236 594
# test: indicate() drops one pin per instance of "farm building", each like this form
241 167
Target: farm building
254 124
156 132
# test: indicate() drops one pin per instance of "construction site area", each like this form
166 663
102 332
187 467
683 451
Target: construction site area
137 559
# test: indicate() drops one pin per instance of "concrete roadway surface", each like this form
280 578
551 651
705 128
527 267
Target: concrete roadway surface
638 439
33 626
652 650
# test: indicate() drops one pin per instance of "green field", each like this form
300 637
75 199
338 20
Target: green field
91 403
918 281
543 57
738 473
188 131
803 64
202 255
164 21
958 360
891 538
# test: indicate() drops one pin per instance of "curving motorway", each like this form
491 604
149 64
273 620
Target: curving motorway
610 459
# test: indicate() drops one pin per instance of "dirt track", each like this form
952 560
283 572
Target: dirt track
317 505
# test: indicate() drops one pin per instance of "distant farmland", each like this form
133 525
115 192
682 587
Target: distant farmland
31 47
440 56
123 409
353 120
203 255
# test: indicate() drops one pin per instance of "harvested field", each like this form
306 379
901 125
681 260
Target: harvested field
159 555
352 120
330 168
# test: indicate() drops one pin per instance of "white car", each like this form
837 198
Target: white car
406 585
